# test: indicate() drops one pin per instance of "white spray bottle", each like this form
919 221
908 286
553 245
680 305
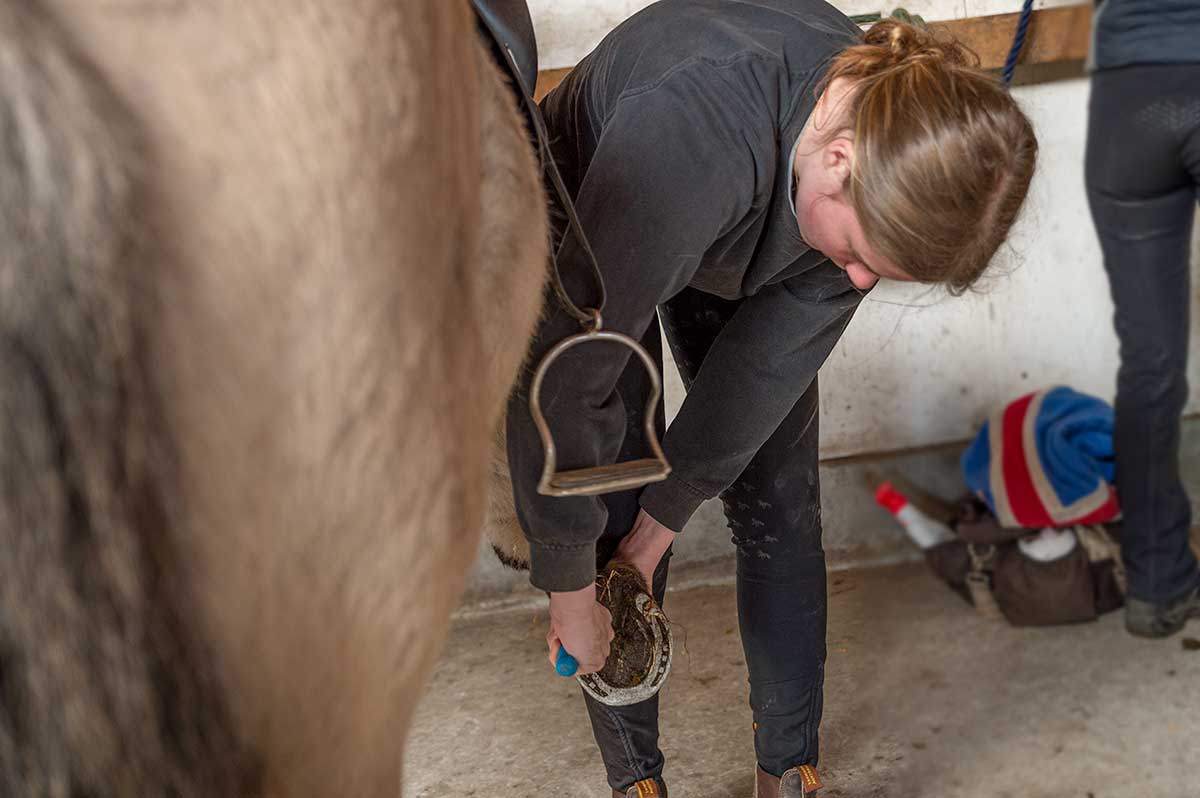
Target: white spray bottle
926 532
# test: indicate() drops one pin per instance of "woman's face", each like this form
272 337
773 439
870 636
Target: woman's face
827 222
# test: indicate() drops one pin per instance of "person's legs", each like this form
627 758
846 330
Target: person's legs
1143 137
628 736
774 513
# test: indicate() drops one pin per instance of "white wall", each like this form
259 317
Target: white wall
918 367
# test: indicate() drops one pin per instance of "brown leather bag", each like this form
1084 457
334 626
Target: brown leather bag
987 568
1032 593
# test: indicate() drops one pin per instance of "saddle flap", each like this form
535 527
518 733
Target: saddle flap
508 24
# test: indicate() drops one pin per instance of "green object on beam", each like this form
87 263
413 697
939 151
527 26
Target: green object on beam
903 15
900 13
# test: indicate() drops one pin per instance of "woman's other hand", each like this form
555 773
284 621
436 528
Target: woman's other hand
644 546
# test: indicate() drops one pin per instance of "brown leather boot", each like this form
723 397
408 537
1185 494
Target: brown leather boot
646 788
797 782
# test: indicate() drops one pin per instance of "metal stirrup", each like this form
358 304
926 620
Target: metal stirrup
606 478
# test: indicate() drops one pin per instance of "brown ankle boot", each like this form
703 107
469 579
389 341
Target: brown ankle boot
646 788
797 782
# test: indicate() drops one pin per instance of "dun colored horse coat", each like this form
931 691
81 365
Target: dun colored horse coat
267 271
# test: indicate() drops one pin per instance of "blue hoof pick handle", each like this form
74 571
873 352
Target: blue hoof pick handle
565 665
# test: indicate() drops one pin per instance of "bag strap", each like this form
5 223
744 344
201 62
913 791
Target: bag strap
1100 546
979 580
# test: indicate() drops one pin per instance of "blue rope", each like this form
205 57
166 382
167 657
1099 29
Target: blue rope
1010 63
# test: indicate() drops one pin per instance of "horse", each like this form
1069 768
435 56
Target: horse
267 272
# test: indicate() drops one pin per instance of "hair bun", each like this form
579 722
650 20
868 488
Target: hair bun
899 43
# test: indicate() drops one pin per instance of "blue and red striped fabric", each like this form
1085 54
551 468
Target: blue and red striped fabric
1046 459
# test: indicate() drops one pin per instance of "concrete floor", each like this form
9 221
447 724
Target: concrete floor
922 698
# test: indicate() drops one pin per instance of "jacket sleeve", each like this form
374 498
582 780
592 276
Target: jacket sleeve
661 186
759 366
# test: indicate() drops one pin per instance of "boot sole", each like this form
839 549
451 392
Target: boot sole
1159 628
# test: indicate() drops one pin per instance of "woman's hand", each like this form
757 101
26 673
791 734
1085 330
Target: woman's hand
582 625
645 546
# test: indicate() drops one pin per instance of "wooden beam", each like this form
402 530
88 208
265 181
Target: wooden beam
547 80
1056 35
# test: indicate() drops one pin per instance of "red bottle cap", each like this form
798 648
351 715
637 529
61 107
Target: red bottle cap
888 497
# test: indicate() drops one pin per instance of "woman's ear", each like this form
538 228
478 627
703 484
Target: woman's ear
837 158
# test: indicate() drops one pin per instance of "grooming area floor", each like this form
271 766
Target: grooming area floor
923 697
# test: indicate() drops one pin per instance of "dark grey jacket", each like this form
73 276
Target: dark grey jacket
1126 32
675 137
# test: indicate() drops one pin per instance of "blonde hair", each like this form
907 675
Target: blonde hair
943 155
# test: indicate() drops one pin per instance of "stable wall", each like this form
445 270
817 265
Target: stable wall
568 29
